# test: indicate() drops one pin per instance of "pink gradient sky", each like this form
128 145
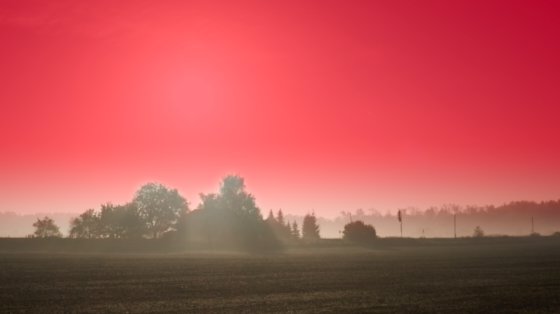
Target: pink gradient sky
324 105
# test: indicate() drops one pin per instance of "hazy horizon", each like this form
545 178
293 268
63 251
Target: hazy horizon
516 218
301 209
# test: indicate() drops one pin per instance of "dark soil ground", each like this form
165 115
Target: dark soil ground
507 276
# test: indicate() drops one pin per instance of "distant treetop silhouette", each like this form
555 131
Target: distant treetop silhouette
46 228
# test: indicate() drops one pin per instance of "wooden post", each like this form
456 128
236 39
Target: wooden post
455 226
399 217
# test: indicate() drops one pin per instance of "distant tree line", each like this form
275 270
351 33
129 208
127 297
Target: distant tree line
231 217
520 218
154 211
227 218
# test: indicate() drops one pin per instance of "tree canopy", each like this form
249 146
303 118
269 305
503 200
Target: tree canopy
159 208
87 225
359 232
230 217
227 218
154 210
46 228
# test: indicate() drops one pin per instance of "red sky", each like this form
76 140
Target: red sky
324 105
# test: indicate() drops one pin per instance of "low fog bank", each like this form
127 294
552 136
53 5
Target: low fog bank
168 247
21 225
515 219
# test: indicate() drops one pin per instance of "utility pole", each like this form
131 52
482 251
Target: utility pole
399 216
455 226
532 226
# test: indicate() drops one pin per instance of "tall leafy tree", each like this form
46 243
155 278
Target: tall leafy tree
231 217
46 228
121 221
159 208
87 225
233 197
112 221
131 223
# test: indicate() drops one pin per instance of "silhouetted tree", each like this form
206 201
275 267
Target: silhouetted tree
233 197
110 221
87 225
270 216
310 229
130 224
231 218
478 232
46 228
181 226
359 232
120 221
280 217
281 229
295 230
159 208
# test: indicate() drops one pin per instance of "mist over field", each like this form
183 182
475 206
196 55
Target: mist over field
21 225
513 219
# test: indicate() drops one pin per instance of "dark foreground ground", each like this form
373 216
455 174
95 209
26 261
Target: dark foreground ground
474 276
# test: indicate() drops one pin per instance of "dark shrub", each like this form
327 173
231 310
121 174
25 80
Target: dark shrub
358 232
